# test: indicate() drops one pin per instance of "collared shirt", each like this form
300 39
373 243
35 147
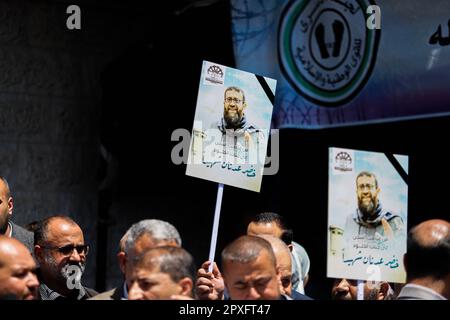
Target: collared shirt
48 294
10 229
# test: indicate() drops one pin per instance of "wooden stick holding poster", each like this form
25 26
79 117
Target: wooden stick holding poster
212 248
230 133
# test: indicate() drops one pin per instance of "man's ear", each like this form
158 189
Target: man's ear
186 285
122 258
10 206
383 291
305 280
280 284
39 253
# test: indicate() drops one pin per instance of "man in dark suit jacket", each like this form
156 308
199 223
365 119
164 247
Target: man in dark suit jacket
7 227
427 262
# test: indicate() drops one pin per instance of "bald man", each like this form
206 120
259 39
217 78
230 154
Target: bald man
427 262
17 271
7 227
61 252
284 265
250 271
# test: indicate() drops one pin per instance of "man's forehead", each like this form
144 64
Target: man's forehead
261 264
60 230
147 271
233 92
366 178
250 274
3 188
270 228
23 261
15 257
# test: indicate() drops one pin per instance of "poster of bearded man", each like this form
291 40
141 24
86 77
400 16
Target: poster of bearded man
367 215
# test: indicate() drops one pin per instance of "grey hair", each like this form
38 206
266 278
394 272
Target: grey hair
159 231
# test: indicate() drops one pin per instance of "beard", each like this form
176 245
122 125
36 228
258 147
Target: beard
73 270
372 295
232 119
69 270
367 208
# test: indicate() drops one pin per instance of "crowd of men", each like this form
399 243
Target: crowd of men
48 262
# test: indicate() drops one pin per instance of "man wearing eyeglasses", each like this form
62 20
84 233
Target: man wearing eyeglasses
61 253
370 213
371 228
240 138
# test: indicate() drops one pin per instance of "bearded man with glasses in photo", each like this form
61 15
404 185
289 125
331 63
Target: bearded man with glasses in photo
239 137
61 253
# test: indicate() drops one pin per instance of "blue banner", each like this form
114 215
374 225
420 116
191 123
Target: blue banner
334 67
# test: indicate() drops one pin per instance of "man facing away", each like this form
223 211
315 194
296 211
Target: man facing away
427 262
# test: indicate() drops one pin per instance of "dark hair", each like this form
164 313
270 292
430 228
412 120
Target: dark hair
32 226
268 217
175 261
431 259
41 228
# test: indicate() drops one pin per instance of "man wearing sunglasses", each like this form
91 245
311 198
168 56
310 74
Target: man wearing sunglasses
61 253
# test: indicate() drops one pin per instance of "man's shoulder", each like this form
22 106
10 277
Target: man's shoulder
298 296
90 292
113 294
23 235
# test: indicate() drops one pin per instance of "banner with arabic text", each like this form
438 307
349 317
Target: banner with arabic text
335 68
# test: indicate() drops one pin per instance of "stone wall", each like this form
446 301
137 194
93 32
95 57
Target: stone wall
49 106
